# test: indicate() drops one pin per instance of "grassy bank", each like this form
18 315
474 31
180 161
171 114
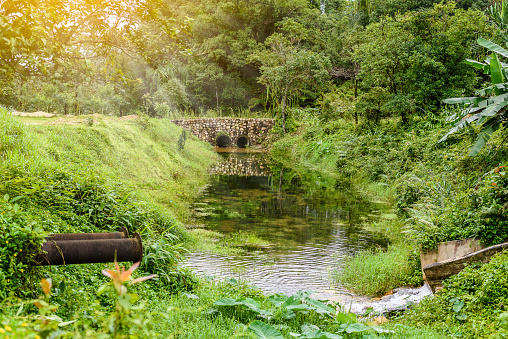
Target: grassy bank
143 154
97 177
435 191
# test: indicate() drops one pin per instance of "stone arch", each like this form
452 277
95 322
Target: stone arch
222 140
242 141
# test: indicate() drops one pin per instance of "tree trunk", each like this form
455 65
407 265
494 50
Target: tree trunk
284 103
356 96
217 98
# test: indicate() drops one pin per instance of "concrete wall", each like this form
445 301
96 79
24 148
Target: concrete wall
441 270
256 130
447 251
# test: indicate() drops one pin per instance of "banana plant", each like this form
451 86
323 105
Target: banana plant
499 15
488 109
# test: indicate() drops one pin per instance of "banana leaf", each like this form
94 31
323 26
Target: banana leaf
493 47
484 136
496 74
460 125
479 65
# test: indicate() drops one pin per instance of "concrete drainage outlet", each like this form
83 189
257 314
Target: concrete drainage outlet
242 141
223 141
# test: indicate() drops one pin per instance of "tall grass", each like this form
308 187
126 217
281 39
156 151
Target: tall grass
374 273
82 178
143 154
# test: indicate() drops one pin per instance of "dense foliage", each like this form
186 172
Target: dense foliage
164 58
357 90
472 304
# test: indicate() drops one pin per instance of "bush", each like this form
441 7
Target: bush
20 241
470 301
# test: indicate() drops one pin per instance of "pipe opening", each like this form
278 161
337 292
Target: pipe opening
242 141
223 141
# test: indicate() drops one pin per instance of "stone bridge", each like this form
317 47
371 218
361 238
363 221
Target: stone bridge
227 132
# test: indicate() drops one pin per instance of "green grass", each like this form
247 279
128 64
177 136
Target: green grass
207 241
187 315
415 332
140 153
211 242
374 273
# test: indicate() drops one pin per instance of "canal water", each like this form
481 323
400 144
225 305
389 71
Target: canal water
294 230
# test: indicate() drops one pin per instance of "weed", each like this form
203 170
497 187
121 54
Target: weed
374 273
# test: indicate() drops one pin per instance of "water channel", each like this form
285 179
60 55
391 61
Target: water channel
296 229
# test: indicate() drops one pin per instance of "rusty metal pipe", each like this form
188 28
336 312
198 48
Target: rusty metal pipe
122 233
67 252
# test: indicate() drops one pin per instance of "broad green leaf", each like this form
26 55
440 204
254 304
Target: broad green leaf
292 300
248 302
320 335
479 65
321 308
289 315
225 302
264 331
348 318
496 74
309 327
493 109
357 327
461 124
277 299
484 136
457 306
461 316
299 307
493 47
453 101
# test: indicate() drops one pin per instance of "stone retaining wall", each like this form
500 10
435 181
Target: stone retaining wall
256 130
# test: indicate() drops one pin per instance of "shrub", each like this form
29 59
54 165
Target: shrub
20 241
470 301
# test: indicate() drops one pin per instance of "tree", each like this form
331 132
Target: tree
418 57
43 36
287 68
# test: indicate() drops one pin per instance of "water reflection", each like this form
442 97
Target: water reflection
309 224
245 164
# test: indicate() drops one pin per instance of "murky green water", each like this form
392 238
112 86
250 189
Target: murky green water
296 228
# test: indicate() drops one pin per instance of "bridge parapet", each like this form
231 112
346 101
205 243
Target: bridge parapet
239 130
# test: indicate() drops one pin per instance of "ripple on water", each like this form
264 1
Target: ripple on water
310 230
307 267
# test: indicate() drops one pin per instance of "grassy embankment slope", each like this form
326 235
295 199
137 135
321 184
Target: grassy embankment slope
436 193
81 178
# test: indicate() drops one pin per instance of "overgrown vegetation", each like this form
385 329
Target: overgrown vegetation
472 303
68 179
357 90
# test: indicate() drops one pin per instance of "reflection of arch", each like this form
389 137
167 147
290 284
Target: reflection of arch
242 141
223 140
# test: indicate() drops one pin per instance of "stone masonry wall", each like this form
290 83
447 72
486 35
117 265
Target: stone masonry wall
256 130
